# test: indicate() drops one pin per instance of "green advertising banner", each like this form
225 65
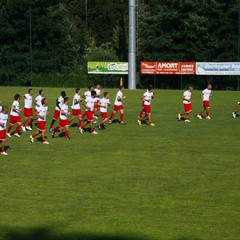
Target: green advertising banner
107 68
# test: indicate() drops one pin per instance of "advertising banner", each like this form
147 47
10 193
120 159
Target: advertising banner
218 68
107 67
168 68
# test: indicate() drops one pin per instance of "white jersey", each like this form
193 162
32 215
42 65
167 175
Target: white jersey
76 98
147 97
98 92
206 93
38 100
43 112
119 95
27 100
63 116
187 95
104 104
3 121
15 112
0 108
90 103
60 103
87 94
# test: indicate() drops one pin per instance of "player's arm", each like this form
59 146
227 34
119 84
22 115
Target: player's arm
184 98
15 109
57 104
76 101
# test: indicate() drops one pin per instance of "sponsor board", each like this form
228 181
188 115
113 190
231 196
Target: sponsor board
218 68
168 68
107 67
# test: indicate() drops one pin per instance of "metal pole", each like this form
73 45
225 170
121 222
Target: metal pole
31 54
238 85
132 46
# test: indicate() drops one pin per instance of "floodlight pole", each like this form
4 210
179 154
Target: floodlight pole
132 46
30 44
238 85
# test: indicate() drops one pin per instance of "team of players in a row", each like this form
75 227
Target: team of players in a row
93 102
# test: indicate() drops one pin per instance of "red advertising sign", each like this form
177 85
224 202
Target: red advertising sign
168 68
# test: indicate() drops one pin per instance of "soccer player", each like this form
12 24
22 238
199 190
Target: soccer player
187 95
0 105
142 110
89 104
28 112
104 103
85 95
98 94
3 125
235 113
15 116
206 95
59 103
64 122
39 98
147 98
118 106
41 113
76 109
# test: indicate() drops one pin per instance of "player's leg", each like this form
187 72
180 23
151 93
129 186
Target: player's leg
16 133
112 115
3 147
121 116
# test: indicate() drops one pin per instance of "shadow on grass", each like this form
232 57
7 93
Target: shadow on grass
46 234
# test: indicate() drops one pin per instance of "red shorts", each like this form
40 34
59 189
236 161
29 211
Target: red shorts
2 135
41 126
77 112
206 104
56 114
63 123
90 115
96 105
104 115
147 109
15 119
118 108
28 112
188 107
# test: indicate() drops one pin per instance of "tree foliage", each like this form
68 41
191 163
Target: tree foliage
66 34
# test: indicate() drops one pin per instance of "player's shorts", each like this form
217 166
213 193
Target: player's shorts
188 107
56 114
206 104
2 135
118 108
15 119
63 123
147 109
41 126
77 112
90 115
96 105
104 115
28 112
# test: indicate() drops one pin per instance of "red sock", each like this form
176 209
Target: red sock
111 117
140 114
56 130
9 128
121 117
66 133
17 128
80 122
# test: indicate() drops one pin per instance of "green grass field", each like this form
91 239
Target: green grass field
175 181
